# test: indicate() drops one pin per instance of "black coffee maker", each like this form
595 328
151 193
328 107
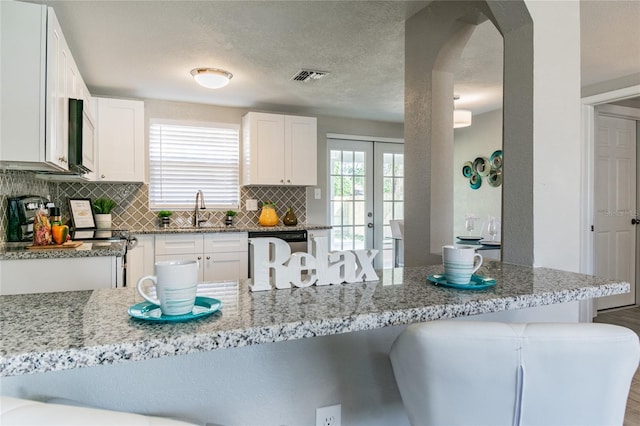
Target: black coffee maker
22 211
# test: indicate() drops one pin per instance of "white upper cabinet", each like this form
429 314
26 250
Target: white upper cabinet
120 140
279 149
38 76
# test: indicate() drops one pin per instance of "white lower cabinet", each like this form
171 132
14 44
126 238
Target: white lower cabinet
222 256
140 259
22 276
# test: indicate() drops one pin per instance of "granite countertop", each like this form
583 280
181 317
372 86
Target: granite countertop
19 251
214 229
59 331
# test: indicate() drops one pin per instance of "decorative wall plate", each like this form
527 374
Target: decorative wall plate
496 159
482 166
467 169
495 178
475 181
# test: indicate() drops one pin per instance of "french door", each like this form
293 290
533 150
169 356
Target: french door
366 190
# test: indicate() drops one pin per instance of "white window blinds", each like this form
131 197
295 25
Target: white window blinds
185 158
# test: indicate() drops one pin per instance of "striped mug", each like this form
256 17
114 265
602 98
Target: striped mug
460 262
176 283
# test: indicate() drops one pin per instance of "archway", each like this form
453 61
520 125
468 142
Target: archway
427 34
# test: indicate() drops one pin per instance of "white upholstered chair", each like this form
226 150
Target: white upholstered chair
486 373
15 411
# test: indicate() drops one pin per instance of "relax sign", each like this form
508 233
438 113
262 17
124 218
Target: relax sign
272 258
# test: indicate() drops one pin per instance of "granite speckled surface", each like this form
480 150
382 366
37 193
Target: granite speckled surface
212 229
19 251
59 331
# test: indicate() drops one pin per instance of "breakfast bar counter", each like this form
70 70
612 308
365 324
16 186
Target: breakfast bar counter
69 330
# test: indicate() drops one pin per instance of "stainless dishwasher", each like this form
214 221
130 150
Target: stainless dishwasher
297 241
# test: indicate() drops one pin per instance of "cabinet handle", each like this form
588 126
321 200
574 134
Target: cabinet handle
281 180
62 159
208 257
288 180
199 258
102 176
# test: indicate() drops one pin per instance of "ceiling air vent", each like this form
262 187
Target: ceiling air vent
308 75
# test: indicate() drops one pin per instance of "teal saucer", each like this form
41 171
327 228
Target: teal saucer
149 312
478 282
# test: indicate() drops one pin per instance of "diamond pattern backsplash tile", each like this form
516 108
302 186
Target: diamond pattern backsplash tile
14 183
132 209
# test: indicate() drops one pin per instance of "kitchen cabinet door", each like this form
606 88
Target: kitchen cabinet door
279 149
231 266
301 147
35 82
140 259
264 148
120 139
66 274
61 79
226 256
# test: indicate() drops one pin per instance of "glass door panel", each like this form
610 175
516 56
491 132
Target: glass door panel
366 190
350 194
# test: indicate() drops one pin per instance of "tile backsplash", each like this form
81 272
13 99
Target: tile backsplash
132 210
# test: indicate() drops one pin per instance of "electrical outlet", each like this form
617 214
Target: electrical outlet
251 205
317 193
329 416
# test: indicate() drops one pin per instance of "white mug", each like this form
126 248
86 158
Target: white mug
460 262
176 283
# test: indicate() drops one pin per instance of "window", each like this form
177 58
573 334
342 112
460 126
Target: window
187 157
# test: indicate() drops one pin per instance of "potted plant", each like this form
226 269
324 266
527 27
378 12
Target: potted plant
102 208
229 219
165 220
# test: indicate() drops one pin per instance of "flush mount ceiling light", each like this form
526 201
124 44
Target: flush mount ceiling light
211 78
461 117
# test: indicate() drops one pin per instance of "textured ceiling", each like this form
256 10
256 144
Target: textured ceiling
145 49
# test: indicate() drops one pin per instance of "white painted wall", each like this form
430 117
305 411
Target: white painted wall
480 139
556 133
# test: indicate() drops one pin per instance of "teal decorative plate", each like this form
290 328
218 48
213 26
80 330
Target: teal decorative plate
496 159
495 178
467 169
478 282
475 181
149 312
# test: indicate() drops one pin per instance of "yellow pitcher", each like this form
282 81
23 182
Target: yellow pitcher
268 216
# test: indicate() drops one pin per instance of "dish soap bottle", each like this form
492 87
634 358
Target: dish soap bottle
290 218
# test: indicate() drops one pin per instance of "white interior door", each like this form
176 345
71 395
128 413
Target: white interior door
615 205
366 190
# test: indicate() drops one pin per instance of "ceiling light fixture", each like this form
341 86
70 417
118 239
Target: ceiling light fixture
211 78
461 117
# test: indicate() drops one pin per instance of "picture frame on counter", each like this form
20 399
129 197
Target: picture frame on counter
81 212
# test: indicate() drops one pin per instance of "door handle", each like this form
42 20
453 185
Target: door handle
635 221
369 225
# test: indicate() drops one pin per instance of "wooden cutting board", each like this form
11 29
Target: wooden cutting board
67 245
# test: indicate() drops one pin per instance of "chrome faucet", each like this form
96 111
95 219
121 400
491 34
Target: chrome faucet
196 220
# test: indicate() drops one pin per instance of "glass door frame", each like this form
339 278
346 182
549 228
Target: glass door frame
378 233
